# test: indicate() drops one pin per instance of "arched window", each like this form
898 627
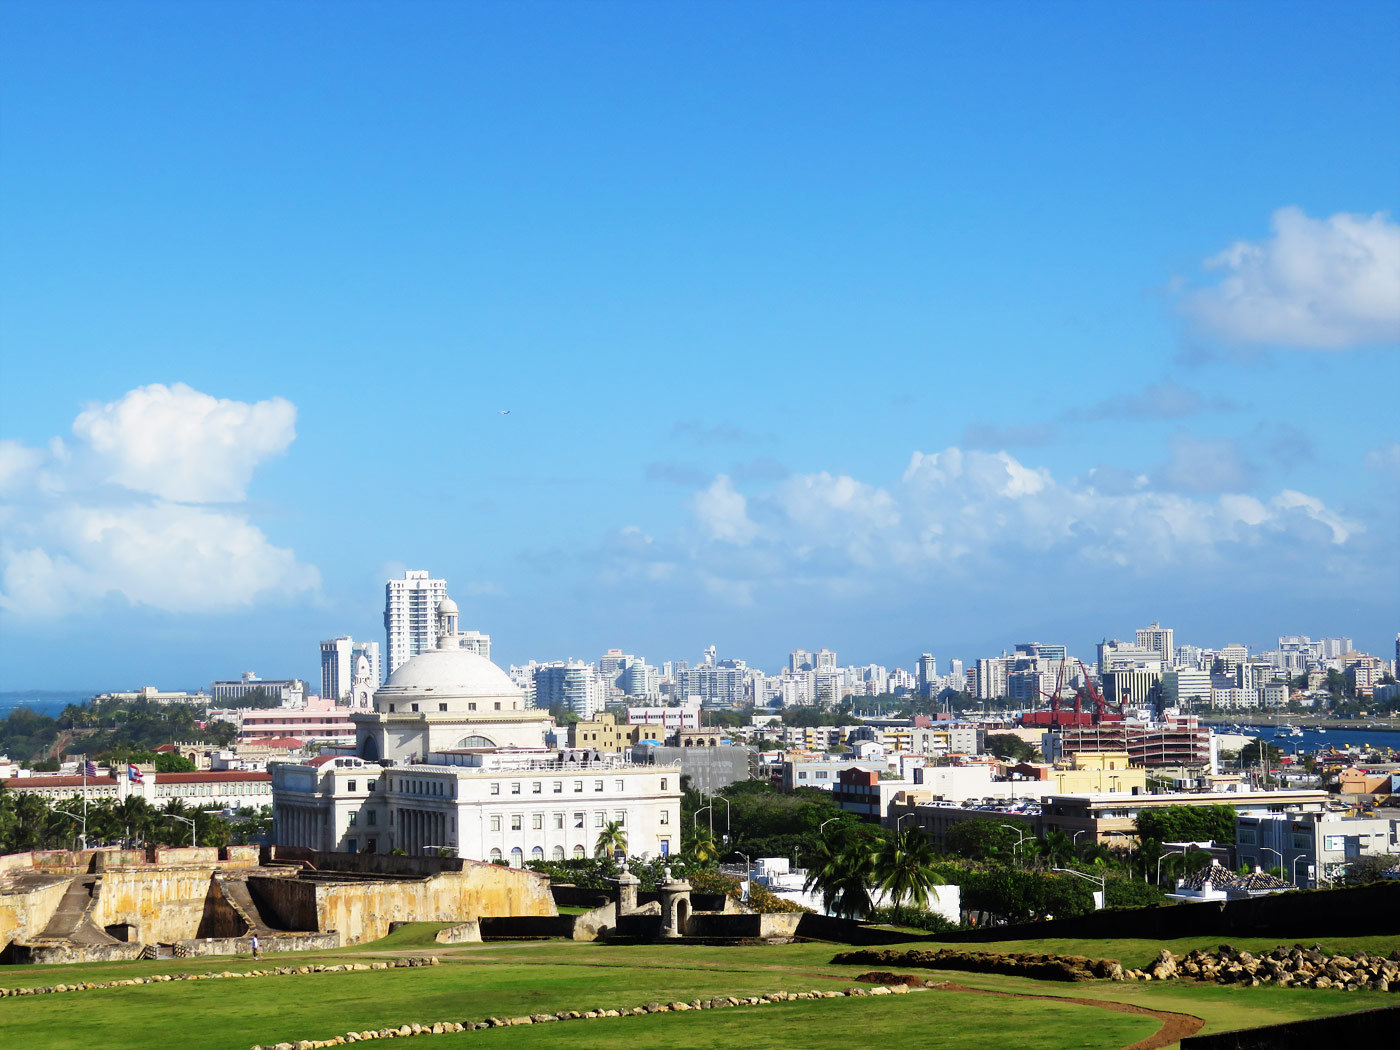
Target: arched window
495 855
517 858
537 853
578 853
558 853
476 741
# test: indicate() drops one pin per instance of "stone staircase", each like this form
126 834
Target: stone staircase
72 920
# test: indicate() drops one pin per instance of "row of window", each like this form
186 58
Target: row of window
537 786
517 855
556 820
470 707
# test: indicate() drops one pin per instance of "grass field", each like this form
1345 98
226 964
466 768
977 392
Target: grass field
508 979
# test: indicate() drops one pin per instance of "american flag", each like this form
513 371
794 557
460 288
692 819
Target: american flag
133 774
89 768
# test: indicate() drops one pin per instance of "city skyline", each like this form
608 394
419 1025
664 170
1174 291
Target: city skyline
927 329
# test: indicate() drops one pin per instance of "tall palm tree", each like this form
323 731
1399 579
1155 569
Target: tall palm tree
611 840
842 874
904 868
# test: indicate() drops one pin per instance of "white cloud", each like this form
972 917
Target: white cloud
1204 465
178 444
723 513
74 537
1385 459
977 516
1317 284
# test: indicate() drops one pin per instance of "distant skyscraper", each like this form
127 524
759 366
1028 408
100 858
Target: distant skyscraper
337 664
928 670
410 615
1158 639
800 660
824 660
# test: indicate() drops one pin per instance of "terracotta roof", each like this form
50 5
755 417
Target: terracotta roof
321 760
31 783
1261 880
211 778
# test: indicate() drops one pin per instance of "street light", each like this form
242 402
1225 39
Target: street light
1074 840
187 820
726 814
695 819
900 820
1019 840
1163 857
822 826
1103 884
1277 854
1295 868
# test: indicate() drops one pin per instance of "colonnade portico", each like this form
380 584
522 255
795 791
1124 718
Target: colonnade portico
416 830
303 826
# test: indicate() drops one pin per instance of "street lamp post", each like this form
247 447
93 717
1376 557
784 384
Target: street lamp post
726 814
1020 839
1103 883
1163 857
1277 854
695 819
1295 868
822 826
901 820
1074 840
187 820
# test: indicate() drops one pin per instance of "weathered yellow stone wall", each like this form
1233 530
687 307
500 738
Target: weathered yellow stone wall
363 911
23 916
164 904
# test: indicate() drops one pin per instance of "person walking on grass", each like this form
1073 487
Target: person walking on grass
257 947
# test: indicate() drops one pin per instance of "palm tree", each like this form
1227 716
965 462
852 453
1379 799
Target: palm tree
1057 848
701 846
842 874
612 840
904 868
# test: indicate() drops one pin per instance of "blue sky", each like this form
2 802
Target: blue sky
890 328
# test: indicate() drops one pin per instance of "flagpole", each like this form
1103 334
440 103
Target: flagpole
84 834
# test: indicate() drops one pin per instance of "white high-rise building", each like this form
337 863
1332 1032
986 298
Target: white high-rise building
1158 639
410 615
370 651
336 667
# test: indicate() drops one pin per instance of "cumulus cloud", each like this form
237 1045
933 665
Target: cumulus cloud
1316 284
178 444
126 511
976 516
723 513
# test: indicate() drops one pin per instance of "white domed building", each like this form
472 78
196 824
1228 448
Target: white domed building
451 759
447 699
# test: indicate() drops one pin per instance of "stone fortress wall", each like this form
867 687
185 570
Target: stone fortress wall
58 906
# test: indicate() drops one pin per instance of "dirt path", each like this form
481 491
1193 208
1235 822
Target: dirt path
1175 1027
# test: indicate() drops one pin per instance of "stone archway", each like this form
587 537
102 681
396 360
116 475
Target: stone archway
682 915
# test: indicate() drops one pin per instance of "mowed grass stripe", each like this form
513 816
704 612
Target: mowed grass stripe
946 1020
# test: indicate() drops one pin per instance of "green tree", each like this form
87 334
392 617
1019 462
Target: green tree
612 840
842 871
990 839
1251 753
1010 746
1188 824
173 762
904 868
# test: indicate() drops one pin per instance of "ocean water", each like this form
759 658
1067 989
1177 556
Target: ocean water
41 702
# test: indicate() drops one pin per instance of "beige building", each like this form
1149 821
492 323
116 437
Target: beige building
604 733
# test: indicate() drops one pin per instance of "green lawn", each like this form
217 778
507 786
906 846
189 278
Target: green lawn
947 1020
508 979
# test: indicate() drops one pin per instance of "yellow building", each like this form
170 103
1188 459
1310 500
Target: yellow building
1094 772
605 734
